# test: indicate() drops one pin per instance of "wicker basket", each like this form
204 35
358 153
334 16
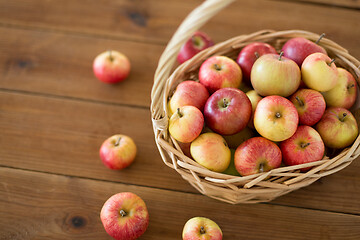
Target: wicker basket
262 187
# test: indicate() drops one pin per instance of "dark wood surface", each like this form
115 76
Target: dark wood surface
54 115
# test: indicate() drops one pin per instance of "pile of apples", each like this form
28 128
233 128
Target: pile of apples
295 109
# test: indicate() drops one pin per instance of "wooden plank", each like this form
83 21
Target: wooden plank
63 136
45 206
58 64
353 4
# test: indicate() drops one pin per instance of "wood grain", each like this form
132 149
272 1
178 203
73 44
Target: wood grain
63 136
43 206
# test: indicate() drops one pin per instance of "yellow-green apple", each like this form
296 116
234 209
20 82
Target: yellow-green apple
220 72
254 99
198 42
211 151
201 228
236 139
125 216
257 155
111 66
319 72
118 151
276 118
227 111
188 93
310 105
231 170
273 74
337 128
249 54
344 93
297 49
186 124
304 146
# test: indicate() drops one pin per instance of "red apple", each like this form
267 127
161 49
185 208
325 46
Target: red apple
227 111
201 228
198 42
220 72
111 67
273 74
337 128
344 93
304 146
254 99
319 72
125 216
310 105
186 124
118 151
257 155
297 49
189 93
211 151
276 118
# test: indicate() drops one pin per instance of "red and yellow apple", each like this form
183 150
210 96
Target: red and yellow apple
254 99
201 228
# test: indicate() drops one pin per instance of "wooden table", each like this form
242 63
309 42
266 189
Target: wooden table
54 115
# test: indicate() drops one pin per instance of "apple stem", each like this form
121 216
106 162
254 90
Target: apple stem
226 103
278 115
343 117
261 167
332 60
202 230
179 113
110 56
217 67
123 213
256 55
280 56
304 145
321 37
301 103
118 142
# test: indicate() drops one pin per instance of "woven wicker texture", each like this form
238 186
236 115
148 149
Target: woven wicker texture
261 187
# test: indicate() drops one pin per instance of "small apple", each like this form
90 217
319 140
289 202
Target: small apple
118 151
249 54
344 93
337 128
111 67
201 228
257 155
273 74
254 99
319 72
220 72
276 118
304 146
198 42
125 216
211 151
227 111
189 93
310 105
231 170
236 139
297 49
186 124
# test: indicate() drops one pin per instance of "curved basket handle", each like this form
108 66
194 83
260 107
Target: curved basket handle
194 21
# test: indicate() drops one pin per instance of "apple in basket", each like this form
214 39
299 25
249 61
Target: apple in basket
198 42
344 93
319 72
118 151
111 67
297 49
276 118
125 216
337 128
220 72
227 111
254 99
201 228
310 105
257 155
273 74
188 93
304 146
186 124
211 151
249 54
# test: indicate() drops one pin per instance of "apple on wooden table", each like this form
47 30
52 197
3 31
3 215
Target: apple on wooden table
125 216
201 228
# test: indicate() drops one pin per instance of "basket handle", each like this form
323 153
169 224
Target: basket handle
194 21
